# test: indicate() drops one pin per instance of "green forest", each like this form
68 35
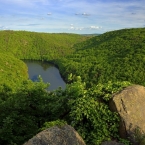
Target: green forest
94 67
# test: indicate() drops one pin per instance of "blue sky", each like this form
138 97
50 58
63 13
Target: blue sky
71 16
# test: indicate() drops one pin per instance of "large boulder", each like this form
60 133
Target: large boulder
65 135
130 104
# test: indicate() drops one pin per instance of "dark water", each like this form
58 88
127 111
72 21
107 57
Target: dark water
47 71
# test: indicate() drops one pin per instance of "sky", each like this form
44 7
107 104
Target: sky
71 16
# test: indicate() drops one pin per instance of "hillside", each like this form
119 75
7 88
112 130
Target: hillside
113 56
94 67
12 70
38 46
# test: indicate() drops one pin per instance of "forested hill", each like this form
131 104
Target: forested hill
38 46
113 56
12 70
105 64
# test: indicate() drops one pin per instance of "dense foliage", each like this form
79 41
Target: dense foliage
113 56
12 70
24 111
38 46
94 67
120 53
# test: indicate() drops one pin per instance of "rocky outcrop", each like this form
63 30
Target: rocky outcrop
111 143
65 135
130 104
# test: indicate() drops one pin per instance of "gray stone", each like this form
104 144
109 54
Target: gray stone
65 135
130 104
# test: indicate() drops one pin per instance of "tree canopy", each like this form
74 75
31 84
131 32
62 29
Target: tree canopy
113 56
94 68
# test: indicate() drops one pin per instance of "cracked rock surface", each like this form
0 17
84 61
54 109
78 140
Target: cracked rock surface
130 104
65 135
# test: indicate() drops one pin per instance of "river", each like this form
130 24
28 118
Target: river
47 71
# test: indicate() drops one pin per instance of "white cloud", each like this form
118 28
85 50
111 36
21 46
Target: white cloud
3 27
84 15
94 27
85 28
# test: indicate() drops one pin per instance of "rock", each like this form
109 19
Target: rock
111 143
65 135
130 104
